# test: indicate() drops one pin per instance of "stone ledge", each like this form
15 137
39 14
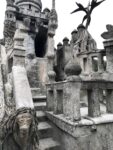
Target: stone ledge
80 128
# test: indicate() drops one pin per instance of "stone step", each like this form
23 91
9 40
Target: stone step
45 130
40 106
40 98
49 144
41 116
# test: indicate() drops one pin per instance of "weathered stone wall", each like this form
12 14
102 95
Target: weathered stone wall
86 137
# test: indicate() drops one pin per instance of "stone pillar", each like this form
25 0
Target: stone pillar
2 101
58 101
50 97
71 102
100 63
108 45
53 23
109 101
18 53
93 103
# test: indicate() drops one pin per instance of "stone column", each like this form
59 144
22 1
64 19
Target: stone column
108 45
93 103
71 102
2 101
100 63
109 102
53 23
50 97
58 98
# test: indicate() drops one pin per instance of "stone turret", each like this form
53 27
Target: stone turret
34 4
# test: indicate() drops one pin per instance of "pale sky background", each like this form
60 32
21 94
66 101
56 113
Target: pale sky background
101 16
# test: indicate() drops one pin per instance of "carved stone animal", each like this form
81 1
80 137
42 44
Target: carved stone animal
20 131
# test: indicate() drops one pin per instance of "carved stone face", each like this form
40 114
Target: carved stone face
24 122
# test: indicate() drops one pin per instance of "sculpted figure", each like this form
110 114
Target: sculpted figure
84 42
109 33
20 131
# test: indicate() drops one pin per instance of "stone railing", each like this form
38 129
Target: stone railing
64 97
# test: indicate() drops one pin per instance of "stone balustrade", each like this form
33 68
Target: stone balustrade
64 97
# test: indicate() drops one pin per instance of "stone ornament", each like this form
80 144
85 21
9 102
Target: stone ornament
20 131
109 33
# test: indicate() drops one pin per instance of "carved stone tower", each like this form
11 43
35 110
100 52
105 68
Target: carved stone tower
28 36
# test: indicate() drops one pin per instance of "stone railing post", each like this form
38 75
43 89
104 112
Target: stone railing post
100 63
71 102
108 45
93 102
109 102
50 97
58 98
72 89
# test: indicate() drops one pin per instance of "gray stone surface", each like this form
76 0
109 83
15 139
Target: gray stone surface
22 91
97 134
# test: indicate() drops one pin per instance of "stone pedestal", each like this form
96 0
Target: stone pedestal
71 99
108 45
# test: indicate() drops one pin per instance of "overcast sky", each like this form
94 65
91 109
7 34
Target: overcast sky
101 16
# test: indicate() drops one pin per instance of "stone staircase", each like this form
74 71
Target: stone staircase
45 129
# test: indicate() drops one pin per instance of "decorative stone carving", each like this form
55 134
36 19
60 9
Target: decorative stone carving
46 11
20 131
27 21
109 33
85 41
9 30
73 37
53 22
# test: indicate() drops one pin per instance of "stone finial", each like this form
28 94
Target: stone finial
81 26
74 31
59 45
109 34
65 41
72 68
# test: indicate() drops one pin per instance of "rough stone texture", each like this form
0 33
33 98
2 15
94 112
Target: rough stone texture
20 131
22 91
37 72
93 103
89 136
50 98
2 102
109 103
71 102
